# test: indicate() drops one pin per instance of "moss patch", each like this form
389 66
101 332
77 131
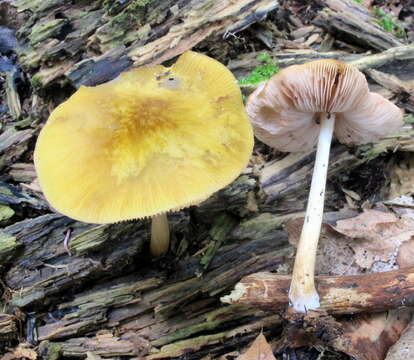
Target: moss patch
389 23
5 212
263 72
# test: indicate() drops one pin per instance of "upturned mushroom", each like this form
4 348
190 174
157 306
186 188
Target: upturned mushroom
154 140
302 106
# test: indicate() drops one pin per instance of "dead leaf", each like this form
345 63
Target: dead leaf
351 244
377 237
334 256
405 257
368 337
403 349
259 350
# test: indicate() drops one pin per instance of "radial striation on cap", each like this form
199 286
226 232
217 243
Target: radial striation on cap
285 110
153 140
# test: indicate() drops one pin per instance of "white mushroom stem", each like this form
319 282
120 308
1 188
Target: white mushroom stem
160 235
302 294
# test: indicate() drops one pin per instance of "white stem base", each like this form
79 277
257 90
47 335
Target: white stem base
160 235
302 294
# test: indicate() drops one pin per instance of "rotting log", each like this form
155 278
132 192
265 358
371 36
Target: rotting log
394 59
162 307
102 292
8 327
402 89
117 34
13 143
43 267
338 295
283 180
355 24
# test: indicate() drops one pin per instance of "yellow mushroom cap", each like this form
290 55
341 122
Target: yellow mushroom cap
153 140
285 110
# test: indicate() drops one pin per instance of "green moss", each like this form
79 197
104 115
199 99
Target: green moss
124 27
409 119
47 30
263 72
206 322
113 7
358 1
5 212
24 123
36 82
8 247
54 352
142 2
389 23
50 351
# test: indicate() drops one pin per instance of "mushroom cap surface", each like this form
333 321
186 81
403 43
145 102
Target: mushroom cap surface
285 110
153 140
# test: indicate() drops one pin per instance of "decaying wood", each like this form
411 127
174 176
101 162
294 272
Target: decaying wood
338 295
44 268
386 60
117 34
16 195
355 24
13 143
206 19
168 303
100 292
404 90
8 327
12 96
184 305
282 180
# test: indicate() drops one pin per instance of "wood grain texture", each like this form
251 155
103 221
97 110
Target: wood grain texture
338 295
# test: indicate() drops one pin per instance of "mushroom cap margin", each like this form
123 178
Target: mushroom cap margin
284 111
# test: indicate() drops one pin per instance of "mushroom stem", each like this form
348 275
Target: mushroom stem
302 294
160 235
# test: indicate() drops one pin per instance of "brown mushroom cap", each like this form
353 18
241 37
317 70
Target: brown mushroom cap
285 110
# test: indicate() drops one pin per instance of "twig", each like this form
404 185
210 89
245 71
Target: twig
339 295
66 241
